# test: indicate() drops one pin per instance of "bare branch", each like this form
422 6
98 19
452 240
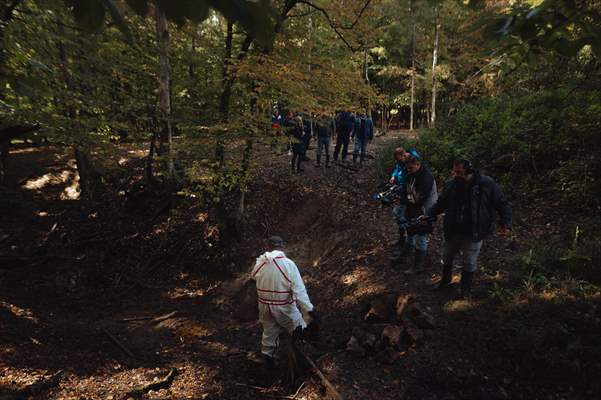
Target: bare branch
335 27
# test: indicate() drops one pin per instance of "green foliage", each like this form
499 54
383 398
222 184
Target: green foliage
550 267
529 31
551 134
258 17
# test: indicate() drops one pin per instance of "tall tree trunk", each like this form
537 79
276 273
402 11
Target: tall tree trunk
62 53
434 64
162 34
366 77
224 105
225 74
191 70
412 116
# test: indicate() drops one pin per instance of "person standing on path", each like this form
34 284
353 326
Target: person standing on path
344 127
325 130
421 195
282 298
362 136
294 126
470 202
308 127
397 181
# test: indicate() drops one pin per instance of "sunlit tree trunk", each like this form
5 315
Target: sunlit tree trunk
162 34
434 64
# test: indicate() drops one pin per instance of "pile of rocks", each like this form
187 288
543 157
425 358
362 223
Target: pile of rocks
393 323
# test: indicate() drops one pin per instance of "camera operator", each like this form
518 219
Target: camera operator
421 195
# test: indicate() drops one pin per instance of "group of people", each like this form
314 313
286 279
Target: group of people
345 125
470 202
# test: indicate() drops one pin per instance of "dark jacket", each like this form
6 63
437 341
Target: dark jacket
421 191
345 122
325 128
294 128
485 198
307 126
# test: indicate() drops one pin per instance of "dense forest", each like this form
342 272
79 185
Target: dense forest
145 150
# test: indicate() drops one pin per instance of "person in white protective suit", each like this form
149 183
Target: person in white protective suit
281 292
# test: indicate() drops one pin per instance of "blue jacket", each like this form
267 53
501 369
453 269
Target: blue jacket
400 174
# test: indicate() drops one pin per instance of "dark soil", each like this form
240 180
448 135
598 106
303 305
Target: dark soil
76 272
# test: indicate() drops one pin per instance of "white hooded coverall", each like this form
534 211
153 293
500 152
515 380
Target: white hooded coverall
280 289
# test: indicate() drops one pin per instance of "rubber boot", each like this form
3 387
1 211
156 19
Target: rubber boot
327 161
298 163
466 285
418 265
447 276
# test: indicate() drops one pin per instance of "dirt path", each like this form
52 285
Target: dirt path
108 343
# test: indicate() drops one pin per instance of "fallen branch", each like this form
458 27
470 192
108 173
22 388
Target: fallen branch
330 389
42 384
134 319
118 343
163 317
158 385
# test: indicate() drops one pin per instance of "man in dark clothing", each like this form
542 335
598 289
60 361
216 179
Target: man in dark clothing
421 194
469 202
294 127
325 128
344 126
308 127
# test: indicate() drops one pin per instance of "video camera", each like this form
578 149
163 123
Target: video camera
418 226
391 193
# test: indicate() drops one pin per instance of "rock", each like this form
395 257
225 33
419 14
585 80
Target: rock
388 355
402 304
425 321
381 309
353 346
370 340
376 329
421 318
391 335
411 333
359 334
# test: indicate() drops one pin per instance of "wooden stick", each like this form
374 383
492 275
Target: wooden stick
119 344
163 317
329 387
134 319
158 385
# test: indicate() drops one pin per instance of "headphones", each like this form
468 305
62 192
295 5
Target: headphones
469 167
413 153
